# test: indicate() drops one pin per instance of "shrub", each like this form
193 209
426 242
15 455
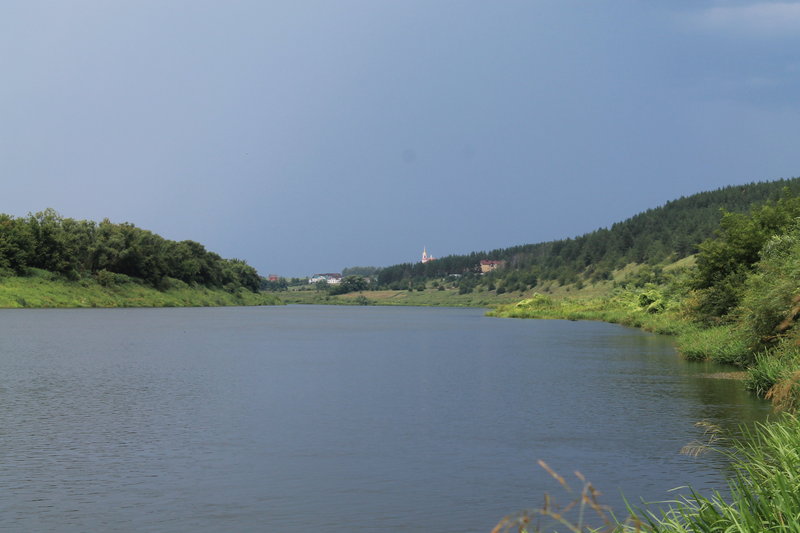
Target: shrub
651 301
770 302
721 344
110 279
765 373
363 300
765 489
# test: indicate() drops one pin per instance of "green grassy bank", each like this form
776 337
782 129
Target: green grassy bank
765 462
624 307
428 297
770 370
47 290
765 483
443 294
764 494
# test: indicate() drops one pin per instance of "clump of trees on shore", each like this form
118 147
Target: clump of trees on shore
112 252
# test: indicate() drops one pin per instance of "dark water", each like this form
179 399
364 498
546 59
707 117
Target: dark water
335 418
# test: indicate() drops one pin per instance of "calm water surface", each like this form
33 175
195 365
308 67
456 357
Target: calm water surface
306 418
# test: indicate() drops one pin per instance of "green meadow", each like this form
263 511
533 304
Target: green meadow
44 289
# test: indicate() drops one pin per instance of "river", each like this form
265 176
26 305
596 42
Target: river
343 419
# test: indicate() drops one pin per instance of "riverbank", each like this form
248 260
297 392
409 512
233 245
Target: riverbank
45 290
426 298
764 487
624 307
764 492
441 295
771 372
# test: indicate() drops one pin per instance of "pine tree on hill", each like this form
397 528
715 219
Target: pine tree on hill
672 231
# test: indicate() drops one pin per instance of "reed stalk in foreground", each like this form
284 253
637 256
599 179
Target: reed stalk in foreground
583 513
764 493
765 487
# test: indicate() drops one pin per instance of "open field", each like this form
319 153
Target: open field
450 297
445 298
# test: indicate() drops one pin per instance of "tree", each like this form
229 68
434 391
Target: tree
16 244
364 271
350 284
725 261
79 248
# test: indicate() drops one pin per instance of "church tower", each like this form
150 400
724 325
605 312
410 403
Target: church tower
425 256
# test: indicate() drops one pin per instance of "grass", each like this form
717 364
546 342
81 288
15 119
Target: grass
481 297
450 296
622 307
583 512
765 488
764 493
773 373
428 297
765 485
45 290
721 344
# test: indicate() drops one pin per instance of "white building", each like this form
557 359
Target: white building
331 278
426 257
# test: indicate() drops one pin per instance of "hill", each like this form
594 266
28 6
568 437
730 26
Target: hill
47 260
666 233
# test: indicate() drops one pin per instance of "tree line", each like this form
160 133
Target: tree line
110 251
672 231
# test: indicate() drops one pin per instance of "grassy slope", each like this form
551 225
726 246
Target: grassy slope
450 297
45 290
765 486
428 297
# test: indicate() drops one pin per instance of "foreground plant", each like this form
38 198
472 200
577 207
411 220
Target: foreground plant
764 492
764 489
583 513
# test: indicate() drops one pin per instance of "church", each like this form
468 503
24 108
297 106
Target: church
426 257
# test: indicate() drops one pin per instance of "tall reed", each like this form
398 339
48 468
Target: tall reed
765 488
583 513
764 493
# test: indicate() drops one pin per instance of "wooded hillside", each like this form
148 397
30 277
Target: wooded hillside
79 248
673 230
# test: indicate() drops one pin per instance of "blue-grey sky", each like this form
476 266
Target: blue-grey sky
309 135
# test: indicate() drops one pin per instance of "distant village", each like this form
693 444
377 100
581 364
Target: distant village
331 278
334 278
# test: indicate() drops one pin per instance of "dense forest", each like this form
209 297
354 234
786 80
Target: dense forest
672 231
112 252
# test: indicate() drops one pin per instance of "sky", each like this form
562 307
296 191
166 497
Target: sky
307 136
